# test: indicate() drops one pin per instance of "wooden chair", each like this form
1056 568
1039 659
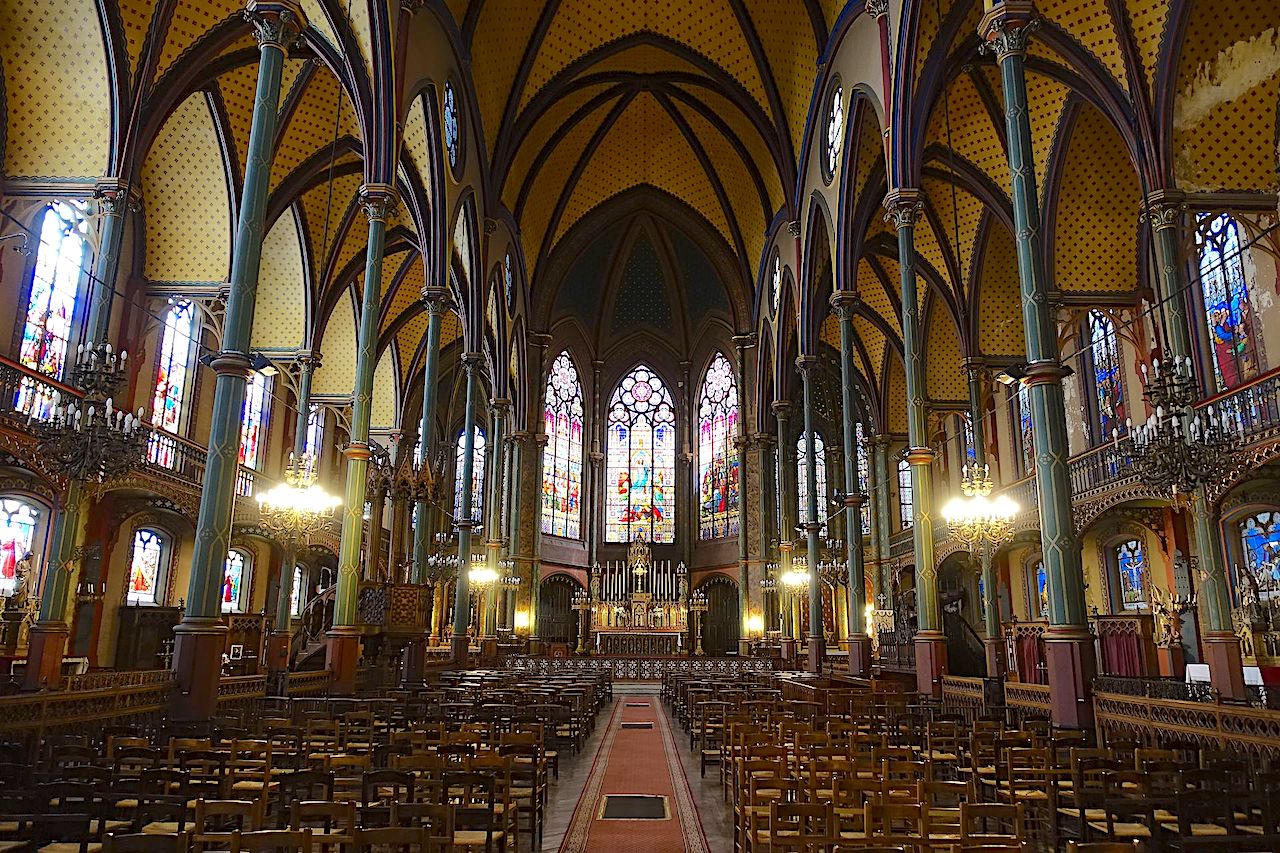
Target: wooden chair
145 843
394 839
476 823
1104 847
328 822
217 820
271 841
803 827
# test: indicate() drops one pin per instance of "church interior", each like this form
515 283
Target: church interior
739 426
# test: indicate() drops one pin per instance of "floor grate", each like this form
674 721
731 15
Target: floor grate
634 807
637 724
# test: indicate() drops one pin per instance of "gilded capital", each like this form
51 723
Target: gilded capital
276 23
438 299
378 200
844 303
113 195
876 8
1006 29
1164 209
903 208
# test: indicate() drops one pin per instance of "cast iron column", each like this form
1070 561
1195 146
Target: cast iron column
904 207
200 637
344 639
462 517
1069 650
881 510
787 501
499 407
741 344
813 520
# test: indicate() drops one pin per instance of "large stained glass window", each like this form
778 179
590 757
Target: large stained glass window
1026 437
144 567
1260 544
1108 380
718 470
640 479
298 597
61 260
562 456
235 577
314 444
1040 591
18 520
862 463
172 374
904 494
253 422
477 474
1233 340
1131 571
802 475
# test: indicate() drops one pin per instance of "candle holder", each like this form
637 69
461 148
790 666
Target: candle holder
698 605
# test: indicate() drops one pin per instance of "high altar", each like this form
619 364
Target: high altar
640 607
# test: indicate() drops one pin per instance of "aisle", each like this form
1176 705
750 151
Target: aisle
641 761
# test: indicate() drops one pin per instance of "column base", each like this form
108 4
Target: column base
817 653
278 661
993 653
341 659
860 659
459 648
1226 667
46 646
198 643
1072 665
413 663
1173 661
931 662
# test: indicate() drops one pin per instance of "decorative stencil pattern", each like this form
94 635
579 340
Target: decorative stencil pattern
873 290
1147 22
417 146
975 137
314 204
280 312
1000 330
191 20
408 294
409 339
1089 22
55 89
555 119
792 52
895 394
239 87
943 377
386 391
337 372
310 127
183 172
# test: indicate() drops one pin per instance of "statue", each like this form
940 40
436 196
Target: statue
22 584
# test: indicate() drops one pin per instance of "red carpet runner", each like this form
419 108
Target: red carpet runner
636 761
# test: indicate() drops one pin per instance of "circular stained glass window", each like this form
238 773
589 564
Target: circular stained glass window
452 131
835 131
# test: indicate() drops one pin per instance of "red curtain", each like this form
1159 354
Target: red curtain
1030 657
1121 654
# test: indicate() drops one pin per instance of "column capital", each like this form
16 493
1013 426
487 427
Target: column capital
876 8
1045 373
500 405
541 439
761 439
378 200
920 455
793 228
903 207
1164 208
805 363
437 299
844 303
114 195
746 341
540 339
781 408
1006 29
879 440
472 360
276 23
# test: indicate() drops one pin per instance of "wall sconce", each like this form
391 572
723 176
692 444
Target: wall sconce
755 625
521 622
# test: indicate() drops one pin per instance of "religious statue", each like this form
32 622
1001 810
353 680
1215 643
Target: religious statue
22 584
1168 610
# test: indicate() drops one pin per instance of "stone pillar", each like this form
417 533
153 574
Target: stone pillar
904 207
344 639
813 520
113 197
741 343
1069 649
844 302
538 448
499 409
200 637
1164 211
462 516
766 473
788 498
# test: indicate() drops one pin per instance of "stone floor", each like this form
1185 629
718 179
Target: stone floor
715 813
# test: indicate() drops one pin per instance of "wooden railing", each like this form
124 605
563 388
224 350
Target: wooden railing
309 683
1028 698
964 695
1211 724
112 678
55 710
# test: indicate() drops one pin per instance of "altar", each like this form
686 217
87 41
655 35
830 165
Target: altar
629 643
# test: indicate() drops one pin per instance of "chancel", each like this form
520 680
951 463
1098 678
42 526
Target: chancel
735 425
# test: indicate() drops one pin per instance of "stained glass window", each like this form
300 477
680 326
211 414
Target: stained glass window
298 598
640 480
905 514
51 306
862 466
508 282
477 474
835 130
18 521
315 431
253 422
1041 591
562 456
1131 568
1233 338
172 373
966 435
1260 543
718 469
802 475
1026 437
1108 380
235 578
144 567
775 284
451 129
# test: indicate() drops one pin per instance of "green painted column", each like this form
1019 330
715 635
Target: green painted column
881 516
976 373
844 303
741 343
113 202
437 300
538 451
199 638
903 206
1069 652
49 634
1164 212
462 516
499 408
767 468
378 200
814 511
788 498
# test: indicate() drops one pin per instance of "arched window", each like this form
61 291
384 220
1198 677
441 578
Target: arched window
452 130
862 461
775 284
1233 340
835 131
61 262
18 521
802 476
235 581
298 598
1026 437
562 456
718 487
172 373
1131 574
314 445
904 494
1039 606
1106 378
508 283
146 562
642 460
253 420
969 450
1260 545
477 474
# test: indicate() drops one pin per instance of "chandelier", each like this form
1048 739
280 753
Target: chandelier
89 439
296 509
978 520
1177 448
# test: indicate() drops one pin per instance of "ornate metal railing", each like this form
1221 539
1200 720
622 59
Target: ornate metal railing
112 679
964 695
640 669
1155 688
309 683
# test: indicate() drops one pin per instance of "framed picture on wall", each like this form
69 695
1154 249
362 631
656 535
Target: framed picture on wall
237 651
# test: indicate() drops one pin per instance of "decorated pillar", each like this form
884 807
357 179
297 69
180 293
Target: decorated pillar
344 639
462 516
765 472
881 513
844 302
200 637
787 512
499 409
538 453
903 206
113 197
741 343
813 519
976 373
376 497
1068 644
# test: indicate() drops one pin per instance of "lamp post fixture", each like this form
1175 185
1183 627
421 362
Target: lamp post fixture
581 603
697 608
983 524
292 513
